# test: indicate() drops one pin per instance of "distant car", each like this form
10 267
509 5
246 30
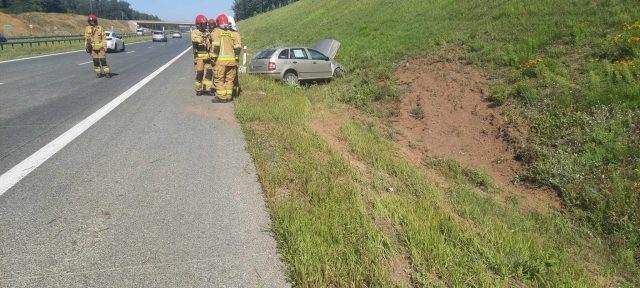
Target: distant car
294 64
139 31
3 38
176 35
114 42
158 36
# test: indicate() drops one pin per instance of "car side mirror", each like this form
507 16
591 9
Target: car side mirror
326 59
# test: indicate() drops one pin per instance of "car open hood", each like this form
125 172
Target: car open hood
328 47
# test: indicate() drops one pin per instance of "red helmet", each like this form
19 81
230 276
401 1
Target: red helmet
222 20
201 22
92 19
212 23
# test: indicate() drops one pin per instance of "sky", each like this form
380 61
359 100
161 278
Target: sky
182 10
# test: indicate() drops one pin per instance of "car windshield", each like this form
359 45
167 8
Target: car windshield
108 34
264 54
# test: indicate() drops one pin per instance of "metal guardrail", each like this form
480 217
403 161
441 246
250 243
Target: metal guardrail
41 37
50 40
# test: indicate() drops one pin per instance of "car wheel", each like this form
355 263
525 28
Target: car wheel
338 72
291 79
115 49
123 47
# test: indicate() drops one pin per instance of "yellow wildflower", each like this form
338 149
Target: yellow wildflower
533 62
630 63
617 38
633 39
628 26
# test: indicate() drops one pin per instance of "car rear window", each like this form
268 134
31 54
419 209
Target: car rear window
264 54
108 34
157 33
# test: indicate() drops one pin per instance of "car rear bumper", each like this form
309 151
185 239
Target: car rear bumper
273 75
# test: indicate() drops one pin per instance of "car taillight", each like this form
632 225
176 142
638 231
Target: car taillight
272 66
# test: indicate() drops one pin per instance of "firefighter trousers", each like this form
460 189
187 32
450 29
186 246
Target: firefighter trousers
201 65
208 76
225 74
99 58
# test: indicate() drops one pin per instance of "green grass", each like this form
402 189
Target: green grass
16 52
556 69
339 226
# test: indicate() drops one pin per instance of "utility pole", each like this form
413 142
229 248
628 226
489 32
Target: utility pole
91 6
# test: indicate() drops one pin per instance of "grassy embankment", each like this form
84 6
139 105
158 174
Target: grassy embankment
558 68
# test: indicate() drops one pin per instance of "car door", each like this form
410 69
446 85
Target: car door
321 65
300 61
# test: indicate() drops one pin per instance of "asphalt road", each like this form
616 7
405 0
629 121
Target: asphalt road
159 193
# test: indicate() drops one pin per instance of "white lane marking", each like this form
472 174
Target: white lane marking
150 47
34 57
131 52
1 83
138 42
15 174
85 63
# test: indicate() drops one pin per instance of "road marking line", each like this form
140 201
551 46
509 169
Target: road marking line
85 63
34 57
1 83
15 174
138 42
131 52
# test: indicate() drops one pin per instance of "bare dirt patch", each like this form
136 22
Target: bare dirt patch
222 113
328 127
446 115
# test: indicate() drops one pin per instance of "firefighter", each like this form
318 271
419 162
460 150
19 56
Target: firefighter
236 80
226 52
208 75
95 42
200 38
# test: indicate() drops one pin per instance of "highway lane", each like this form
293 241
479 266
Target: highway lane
159 193
43 97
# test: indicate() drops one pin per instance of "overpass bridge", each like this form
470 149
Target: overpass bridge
160 25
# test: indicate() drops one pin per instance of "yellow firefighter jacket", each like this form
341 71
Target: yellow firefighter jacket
226 46
201 43
95 35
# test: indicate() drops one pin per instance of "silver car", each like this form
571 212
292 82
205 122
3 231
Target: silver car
158 36
294 64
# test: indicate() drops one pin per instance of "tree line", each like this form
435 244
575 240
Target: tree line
244 9
109 9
